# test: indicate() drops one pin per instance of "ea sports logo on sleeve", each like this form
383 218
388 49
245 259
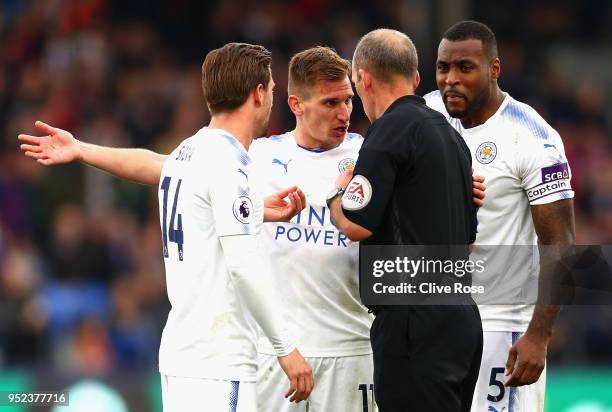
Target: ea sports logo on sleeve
243 209
486 152
358 193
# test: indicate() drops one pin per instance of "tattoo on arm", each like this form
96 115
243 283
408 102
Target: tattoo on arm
554 225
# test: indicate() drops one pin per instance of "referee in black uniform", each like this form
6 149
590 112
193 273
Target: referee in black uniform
412 185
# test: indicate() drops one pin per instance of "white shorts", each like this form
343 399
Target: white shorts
343 384
181 394
491 395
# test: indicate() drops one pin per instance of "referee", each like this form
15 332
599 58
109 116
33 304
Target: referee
411 185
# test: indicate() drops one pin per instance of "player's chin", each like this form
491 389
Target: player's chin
456 112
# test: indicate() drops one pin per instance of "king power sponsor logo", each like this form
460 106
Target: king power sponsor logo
311 226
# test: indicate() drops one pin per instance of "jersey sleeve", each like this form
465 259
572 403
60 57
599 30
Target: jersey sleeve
368 193
237 209
544 170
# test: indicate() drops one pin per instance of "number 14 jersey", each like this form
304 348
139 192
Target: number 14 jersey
204 194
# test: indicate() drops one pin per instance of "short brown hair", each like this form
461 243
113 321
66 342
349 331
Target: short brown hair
231 72
385 53
314 64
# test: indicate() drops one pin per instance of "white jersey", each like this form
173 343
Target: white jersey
315 266
523 161
204 194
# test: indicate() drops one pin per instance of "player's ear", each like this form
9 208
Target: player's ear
417 80
366 78
259 94
295 105
495 69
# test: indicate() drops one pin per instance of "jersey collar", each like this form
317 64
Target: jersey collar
411 98
312 149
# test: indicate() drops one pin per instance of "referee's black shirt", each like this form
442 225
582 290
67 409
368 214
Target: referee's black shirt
412 184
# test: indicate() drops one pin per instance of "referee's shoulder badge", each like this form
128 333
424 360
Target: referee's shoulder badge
243 209
346 164
486 152
358 193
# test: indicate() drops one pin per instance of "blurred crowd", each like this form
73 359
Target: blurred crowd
82 284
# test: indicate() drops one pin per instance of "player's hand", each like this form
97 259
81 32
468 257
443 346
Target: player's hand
277 209
344 179
300 376
58 146
478 189
526 360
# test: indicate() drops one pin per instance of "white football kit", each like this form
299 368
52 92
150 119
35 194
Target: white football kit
209 341
316 271
523 161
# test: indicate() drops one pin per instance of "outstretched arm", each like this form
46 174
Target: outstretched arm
138 165
60 146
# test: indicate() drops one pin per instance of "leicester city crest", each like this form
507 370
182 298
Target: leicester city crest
486 152
346 164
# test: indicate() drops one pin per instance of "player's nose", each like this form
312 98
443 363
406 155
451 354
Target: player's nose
344 113
451 77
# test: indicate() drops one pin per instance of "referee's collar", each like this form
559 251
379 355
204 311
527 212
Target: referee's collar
411 98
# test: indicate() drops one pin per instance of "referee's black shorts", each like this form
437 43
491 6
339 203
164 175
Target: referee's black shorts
426 358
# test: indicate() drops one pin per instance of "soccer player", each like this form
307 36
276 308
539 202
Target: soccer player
216 278
529 199
318 264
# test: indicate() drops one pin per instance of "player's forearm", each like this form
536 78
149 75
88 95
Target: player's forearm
542 321
554 224
251 278
352 230
138 165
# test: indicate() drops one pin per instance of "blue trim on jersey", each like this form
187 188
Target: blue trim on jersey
241 154
535 125
351 136
515 336
233 400
316 149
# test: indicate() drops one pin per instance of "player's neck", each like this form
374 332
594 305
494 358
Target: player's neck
305 140
236 124
487 111
386 96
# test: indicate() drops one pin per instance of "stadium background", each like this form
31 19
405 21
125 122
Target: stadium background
82 290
